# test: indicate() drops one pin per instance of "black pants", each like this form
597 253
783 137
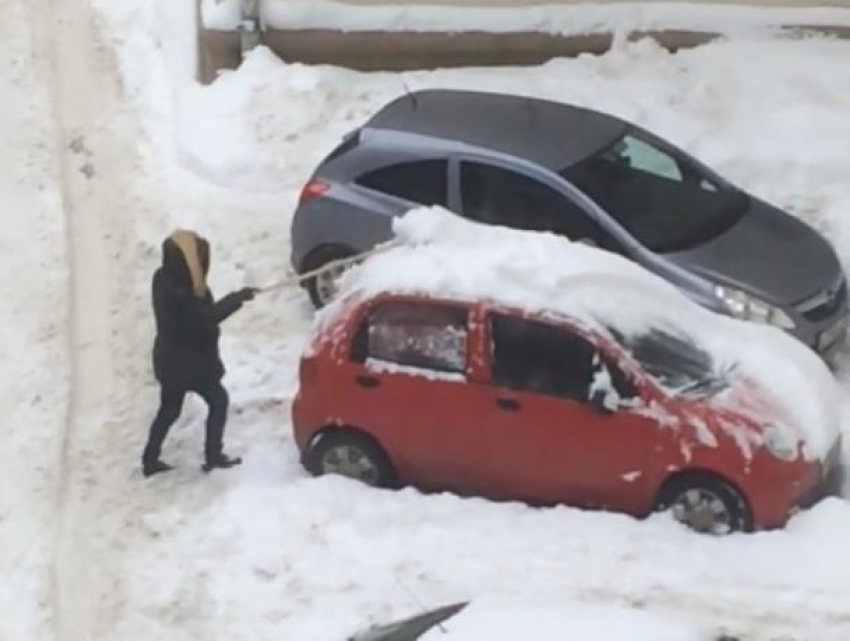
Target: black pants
170 405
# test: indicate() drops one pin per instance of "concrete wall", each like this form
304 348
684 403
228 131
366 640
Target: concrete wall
379 50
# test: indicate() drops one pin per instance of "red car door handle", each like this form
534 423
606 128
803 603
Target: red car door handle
508 404
366 381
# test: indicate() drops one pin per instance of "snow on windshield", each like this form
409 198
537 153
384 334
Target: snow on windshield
444 255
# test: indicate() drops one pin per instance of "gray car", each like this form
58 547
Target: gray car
539 165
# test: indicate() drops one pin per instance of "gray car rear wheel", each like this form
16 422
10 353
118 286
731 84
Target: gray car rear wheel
323 287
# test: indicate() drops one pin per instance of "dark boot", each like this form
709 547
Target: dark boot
221 461
149 468
217 402
171 401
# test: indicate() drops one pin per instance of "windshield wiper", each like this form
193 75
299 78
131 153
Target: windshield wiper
713 382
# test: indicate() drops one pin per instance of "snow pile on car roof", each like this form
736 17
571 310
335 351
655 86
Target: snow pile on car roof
441 254
502 619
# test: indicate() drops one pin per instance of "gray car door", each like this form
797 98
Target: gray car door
500 193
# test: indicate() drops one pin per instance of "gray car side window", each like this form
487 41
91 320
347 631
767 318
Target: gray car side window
499 196
419 181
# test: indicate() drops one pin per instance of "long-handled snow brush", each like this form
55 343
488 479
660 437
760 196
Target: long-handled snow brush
334 265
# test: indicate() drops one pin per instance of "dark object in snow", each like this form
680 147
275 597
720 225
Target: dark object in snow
538 165
77 144
412 628
186 354
88 170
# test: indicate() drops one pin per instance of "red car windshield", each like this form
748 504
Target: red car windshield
676 362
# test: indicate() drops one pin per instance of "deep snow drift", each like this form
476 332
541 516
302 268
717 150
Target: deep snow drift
264 551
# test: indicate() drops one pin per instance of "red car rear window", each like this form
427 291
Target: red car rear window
425 335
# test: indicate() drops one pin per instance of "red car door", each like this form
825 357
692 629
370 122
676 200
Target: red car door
545 441
405 382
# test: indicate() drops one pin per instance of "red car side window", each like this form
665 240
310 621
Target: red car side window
424 335
537 357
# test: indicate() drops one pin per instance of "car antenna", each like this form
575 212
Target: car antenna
419 604
407 90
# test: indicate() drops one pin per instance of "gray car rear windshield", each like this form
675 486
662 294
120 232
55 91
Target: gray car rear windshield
661 197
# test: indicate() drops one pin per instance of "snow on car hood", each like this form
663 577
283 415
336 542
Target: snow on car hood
441 254
496 619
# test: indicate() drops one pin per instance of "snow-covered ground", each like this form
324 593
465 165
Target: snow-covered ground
508 619
110 145
34 363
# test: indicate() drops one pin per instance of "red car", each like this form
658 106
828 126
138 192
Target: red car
479 398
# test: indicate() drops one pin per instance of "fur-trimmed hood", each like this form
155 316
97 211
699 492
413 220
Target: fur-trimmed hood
186 259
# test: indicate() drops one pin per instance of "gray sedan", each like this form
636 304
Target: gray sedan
539 165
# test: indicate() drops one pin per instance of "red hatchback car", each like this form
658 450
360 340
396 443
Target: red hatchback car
482 399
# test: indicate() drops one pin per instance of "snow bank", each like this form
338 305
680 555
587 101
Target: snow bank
500 619
220 134
446 255
221 14
267 553
563 19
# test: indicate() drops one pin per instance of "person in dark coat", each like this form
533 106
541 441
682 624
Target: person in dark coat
185 353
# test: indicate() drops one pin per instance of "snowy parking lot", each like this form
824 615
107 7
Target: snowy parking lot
112 146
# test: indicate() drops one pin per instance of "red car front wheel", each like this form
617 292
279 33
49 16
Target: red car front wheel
706 504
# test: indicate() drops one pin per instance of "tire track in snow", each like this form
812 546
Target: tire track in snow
33 346
88 350
96 167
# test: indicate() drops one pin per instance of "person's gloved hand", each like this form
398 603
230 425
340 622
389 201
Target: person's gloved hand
246 293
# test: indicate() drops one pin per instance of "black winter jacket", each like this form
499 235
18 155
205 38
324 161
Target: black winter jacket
185 352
